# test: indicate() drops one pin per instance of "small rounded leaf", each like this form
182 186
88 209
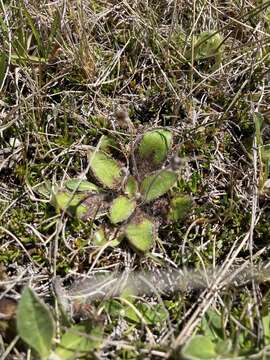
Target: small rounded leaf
131 187
105 169
121 209
155 145
71 203
35 323
79 340
157 184
100 238
140 234
180 206
81 185
208 44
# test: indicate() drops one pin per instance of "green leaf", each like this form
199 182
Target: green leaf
99 238
82 206
79 340
114 308
18 59
44 189
152 314
81 185
140 233
54 31
212 324
129 293
121 209
105 169
199 348
103 236
223 347
107 144
266 326
157 184
71 203
35 323
153 149
116 241
265 152
180 206
131 187
36 33
208 44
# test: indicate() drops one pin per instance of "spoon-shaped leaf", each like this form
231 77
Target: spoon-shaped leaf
179 207
157 184
105 169
153 149
80 185
140 233
79 205
121 209
71 203
35 323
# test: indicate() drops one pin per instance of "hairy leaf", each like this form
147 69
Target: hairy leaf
81 206
157 184
121 209
44 189
140 234
153 149
71 203
105 169
81 185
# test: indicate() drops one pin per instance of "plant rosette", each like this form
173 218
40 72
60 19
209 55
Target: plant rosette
126 198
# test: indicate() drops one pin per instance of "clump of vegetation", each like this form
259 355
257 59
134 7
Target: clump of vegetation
127 202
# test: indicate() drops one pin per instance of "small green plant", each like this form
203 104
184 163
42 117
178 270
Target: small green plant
208 49
35 323
211 343
126 198
36 326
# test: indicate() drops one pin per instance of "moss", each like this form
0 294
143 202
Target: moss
10 255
